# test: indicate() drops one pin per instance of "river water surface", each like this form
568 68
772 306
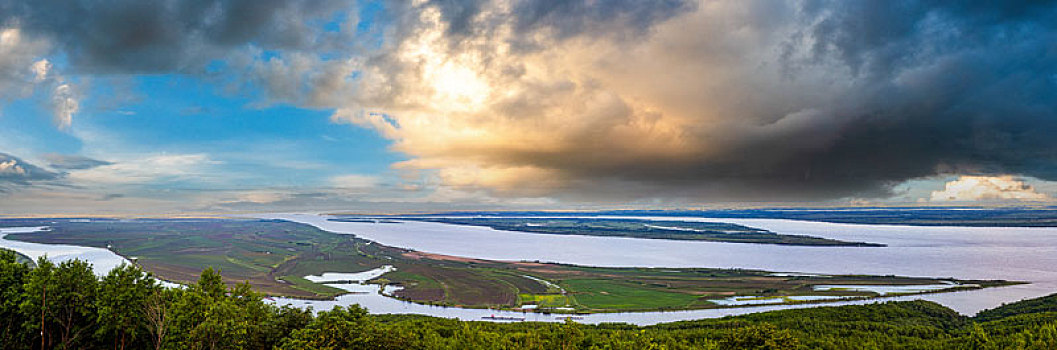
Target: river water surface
1012 253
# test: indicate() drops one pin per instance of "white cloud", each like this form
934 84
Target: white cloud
987 188
11 167
40 70
64 105
354 181
146 170
260 197
19 68
22 71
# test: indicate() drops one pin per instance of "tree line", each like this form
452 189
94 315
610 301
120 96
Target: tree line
66 306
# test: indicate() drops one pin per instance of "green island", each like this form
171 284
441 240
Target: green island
275 257
965 216
636 228
66 306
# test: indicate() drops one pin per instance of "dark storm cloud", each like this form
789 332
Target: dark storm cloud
941 87
880 35
159 36
72 162
754 99
573 17
946 87
873 93
563 18
458 14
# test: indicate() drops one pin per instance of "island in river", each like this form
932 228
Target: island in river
277 256
633 228
1029 216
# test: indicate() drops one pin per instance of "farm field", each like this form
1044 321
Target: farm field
274 256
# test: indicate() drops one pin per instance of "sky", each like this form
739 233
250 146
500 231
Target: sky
130 106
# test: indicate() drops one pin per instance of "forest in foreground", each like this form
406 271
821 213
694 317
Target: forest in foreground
66 306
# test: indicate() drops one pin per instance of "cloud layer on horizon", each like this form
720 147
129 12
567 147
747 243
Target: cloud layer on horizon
609 101
975 189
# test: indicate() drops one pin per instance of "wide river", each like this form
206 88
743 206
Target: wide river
1026 254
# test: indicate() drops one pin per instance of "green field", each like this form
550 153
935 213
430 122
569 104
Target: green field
274 256
636 228
260 252
311 287
602 294
546 300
